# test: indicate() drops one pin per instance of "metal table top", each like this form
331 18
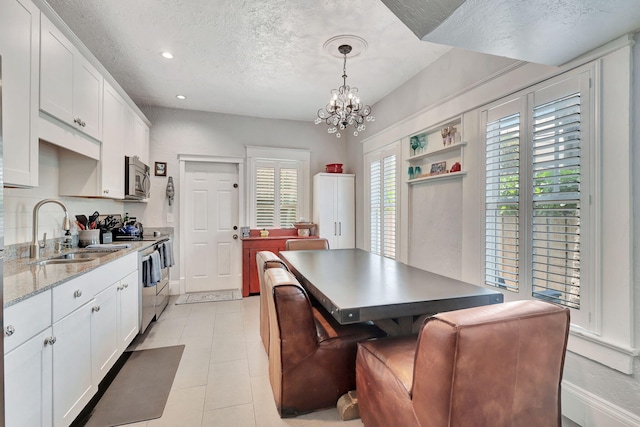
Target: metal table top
355 286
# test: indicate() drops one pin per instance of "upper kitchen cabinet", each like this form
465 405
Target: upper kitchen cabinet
19 48
70 87
137 137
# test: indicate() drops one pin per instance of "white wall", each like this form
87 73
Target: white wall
464 81
19 203
175 132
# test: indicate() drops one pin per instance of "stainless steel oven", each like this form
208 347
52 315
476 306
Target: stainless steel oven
154 296
137 179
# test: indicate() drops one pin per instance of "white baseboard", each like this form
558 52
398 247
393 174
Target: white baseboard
588 410
174 287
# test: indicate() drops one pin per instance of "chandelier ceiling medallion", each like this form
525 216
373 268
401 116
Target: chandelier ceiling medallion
345 107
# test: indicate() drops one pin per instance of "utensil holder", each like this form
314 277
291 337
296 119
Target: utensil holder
88 237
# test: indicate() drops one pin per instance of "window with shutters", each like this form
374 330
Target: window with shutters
276 196
383 203
536 225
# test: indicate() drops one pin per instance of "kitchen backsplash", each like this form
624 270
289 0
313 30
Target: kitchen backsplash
19 203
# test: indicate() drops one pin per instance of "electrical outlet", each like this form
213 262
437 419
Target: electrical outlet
169 217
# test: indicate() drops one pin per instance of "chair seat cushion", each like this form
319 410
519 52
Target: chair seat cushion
396 354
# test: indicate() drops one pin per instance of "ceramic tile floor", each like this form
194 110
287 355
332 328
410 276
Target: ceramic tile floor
223 377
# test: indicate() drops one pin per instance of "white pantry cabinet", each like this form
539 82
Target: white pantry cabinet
70 87
334 208
20 51
139 143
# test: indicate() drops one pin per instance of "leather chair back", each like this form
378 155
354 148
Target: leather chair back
265 260
311 356
306 244
496 365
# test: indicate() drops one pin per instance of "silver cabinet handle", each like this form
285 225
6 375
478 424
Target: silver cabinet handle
340 225
50 341
95 308
126 285
9 330
77 293
120 288
335 228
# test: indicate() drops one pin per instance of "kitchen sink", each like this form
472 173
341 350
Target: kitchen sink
75 257
63 261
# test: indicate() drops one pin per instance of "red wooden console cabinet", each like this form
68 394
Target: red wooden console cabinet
253 244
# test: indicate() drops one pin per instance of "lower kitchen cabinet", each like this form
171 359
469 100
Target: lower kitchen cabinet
28 382
73 384
104 343
128 307
52 370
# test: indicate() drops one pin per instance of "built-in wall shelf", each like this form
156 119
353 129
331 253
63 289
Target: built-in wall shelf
445 149
440 177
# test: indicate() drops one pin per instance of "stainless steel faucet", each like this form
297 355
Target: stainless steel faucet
66 224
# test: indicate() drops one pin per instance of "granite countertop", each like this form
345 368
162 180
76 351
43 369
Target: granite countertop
24 279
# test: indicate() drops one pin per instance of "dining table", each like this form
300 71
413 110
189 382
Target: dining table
354 286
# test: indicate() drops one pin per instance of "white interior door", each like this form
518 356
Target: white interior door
213 250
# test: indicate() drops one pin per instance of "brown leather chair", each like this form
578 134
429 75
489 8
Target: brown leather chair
265 260
311 356
497 365
306 244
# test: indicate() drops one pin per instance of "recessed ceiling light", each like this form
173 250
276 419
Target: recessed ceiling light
181 97
167 55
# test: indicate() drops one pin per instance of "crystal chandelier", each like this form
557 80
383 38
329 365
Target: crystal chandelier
344 108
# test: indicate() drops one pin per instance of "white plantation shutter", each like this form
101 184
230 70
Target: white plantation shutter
389 207
376 207
276 190
288 192
265 197
502 203
556 201
383 205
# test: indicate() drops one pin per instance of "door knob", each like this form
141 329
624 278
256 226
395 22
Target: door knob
235 227
235 236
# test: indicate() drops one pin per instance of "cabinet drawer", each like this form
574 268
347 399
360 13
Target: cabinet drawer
25 319
70 296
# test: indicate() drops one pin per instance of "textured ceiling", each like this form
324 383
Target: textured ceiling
256 58
265 58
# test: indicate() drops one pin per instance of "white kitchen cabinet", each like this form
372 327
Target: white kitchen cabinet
20 51
334 208
111 165
104 336
71 89
73 384
141 140
28 382
128 309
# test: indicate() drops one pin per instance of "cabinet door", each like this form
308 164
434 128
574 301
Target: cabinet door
128 309
111 159
104 332
324 208
72 371
20 49
28 383
87 97
56 72
141 138
345 213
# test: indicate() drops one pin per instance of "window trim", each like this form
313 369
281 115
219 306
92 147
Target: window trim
299 156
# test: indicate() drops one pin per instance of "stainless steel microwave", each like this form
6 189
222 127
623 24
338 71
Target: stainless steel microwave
137 179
